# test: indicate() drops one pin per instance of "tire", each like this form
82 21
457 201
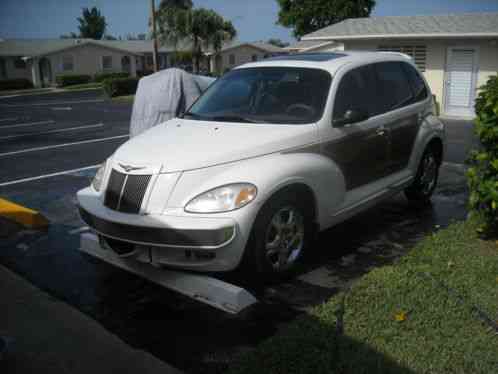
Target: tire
422 188
280 236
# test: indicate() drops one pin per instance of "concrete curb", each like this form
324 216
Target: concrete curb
22 215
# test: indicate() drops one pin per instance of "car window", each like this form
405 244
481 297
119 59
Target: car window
416 82
280 95
356 91
393 87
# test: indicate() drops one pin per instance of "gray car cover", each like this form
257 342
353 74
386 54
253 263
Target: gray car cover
164 95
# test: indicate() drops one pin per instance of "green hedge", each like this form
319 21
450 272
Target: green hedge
15 84
483 173
120 86
103 76
68 80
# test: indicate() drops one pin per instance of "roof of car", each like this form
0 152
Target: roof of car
330 61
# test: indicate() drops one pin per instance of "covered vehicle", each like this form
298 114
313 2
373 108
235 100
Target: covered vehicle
165 95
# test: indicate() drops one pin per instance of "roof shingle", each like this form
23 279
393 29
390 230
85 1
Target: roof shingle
448 24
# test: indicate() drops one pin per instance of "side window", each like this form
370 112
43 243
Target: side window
106 62
416 82
356 92
393 88
67 63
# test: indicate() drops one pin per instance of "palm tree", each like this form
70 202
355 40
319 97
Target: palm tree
203 28
92 24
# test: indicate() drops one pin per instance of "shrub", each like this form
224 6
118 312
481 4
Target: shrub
120 86
483 173
15 84
68 80
100 77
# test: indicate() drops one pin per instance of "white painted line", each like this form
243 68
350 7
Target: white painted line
24 180
79 230
62 145
51 131
55 103
8 119
27 124
62 108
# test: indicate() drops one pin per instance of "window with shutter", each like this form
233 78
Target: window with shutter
418 52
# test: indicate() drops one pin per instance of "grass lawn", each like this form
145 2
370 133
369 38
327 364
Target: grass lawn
417 316
123 99
83 86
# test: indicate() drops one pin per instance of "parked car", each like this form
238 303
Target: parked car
271 153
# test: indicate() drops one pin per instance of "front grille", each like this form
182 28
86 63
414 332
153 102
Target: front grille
125 193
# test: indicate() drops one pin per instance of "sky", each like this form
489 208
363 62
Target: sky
253 19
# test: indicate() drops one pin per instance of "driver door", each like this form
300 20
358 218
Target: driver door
360 149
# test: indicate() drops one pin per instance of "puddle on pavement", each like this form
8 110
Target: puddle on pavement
200 339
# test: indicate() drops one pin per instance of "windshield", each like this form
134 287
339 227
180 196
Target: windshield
283 95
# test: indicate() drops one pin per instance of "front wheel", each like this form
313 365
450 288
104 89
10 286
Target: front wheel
426 178
280 235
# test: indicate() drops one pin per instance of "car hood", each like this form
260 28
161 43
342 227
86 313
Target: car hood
179 144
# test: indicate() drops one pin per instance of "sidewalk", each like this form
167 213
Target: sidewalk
49 336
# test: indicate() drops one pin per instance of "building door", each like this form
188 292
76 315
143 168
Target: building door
126 64
45 72
461 80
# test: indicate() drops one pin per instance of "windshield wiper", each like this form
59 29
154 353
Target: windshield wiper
233 118
194 115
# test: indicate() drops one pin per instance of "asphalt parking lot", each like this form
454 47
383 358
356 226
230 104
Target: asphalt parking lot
49 147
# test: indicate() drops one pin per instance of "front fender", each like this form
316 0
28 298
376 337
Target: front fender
269 173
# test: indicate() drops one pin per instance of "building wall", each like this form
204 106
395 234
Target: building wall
13 72
328 48
242 54
87 59
436 59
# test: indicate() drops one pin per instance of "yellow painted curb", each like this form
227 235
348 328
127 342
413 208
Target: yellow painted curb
25 216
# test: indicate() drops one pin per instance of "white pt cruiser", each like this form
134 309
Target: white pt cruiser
273 152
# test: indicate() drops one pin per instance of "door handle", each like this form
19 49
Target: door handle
381 131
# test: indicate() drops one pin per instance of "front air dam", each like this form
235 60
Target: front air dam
222 295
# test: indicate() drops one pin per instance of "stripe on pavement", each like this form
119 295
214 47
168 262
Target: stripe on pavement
24 180
51 131
27 124
62 145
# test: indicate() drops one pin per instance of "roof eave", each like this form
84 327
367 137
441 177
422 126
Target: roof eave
404 36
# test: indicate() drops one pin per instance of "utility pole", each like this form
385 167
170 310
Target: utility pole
154 35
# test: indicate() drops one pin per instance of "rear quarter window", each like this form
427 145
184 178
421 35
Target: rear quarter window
394 89
417 84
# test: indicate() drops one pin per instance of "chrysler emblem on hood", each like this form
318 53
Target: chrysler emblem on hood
129 168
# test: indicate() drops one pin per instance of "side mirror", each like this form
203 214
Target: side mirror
351 116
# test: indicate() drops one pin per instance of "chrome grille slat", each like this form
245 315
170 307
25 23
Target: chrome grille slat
114 187
133 193
125 192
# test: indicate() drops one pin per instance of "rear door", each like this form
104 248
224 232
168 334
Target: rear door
401 109
360 149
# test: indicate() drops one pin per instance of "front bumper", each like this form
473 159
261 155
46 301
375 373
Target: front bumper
191 242
160 236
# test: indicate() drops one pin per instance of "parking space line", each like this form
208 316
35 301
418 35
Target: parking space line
62 145
51 131
24 180
55 103
8 119
27 124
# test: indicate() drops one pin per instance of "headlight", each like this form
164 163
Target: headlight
97 180
223 199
